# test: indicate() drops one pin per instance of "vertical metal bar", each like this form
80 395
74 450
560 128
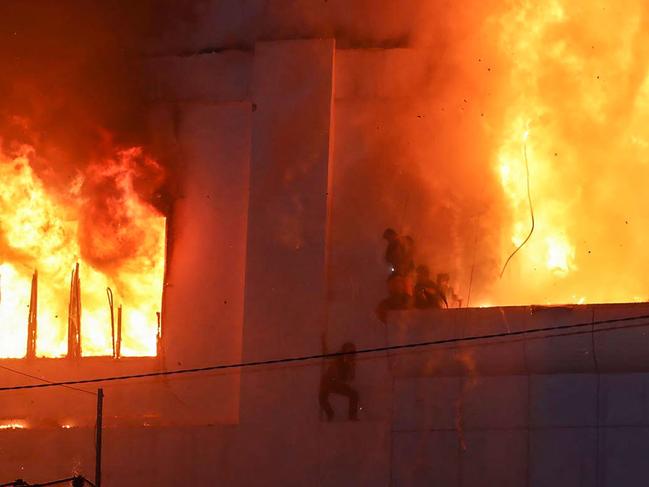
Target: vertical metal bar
78 291
159 335
71 318
160 343
32 323
118 345
109 292
74 316
100 414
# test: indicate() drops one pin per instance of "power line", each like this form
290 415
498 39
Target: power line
79 479
304 358
44 380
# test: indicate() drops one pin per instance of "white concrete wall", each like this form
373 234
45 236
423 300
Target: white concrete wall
449 420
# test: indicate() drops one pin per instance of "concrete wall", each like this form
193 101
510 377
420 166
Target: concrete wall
448 418
202 318
538 411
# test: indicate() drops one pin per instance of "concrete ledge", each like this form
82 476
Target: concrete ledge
612 347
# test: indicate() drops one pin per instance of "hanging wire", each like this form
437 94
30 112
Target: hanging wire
529 199
8 369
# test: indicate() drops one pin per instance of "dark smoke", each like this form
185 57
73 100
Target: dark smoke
71 80
413 130
73 87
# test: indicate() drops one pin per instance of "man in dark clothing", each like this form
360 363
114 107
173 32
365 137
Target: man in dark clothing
400 255
336 380
428 294
399 296
400 252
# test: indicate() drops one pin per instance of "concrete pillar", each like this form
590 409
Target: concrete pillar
204 294
285 276
285 297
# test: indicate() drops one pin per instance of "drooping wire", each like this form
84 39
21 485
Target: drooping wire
18 483
529 200
8 369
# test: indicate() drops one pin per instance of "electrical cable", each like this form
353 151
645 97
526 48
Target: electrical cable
44 380
529 199
304 358
19 483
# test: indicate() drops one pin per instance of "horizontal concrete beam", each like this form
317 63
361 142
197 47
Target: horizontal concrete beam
612 346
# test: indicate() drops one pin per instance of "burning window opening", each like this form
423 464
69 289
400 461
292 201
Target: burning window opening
110 303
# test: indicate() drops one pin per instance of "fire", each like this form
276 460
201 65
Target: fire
560 255
13 425
40 231
576 112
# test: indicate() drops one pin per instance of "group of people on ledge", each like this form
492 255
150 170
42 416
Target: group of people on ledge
410 287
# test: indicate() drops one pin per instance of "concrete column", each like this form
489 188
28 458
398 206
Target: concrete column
285 278
285 296
204 294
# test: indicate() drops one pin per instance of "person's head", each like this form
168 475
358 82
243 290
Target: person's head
389 234
443 278
423 272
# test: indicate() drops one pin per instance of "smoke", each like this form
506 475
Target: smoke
432 102
418 101
417 105
429 96
73 88
71 82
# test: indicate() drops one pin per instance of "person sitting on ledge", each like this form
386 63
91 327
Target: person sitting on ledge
427 292
399 296
451 300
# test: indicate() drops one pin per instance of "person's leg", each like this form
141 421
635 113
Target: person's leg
324 402
353 404
351 394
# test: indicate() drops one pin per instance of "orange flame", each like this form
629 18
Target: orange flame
40 231
578 104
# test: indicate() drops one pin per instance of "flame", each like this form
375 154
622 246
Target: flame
13 425
577 108
40 231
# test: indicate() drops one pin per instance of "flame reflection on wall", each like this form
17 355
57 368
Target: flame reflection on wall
40 231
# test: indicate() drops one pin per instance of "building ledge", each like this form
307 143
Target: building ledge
592 342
